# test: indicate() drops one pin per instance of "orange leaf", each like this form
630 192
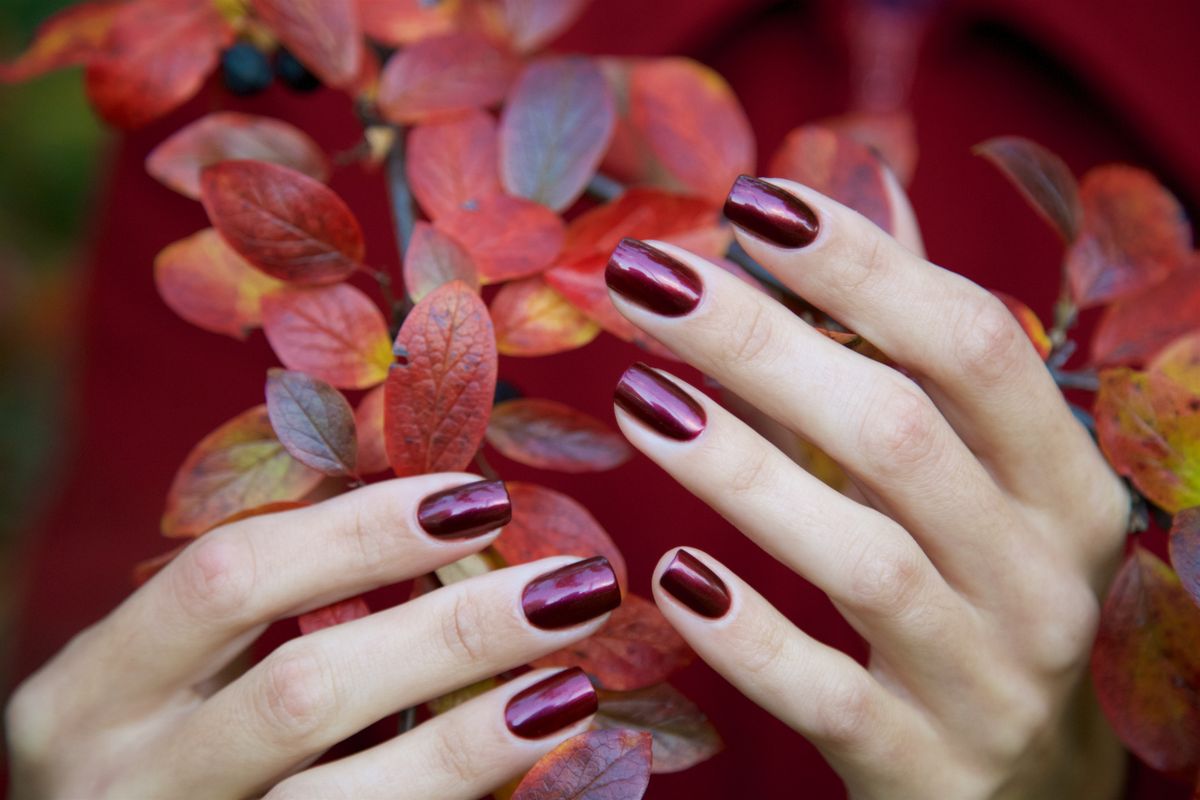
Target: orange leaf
1185 550
147 568
507 236
548 523
157 55
641 213
323 34
452 165
636 648
73 36
529 24
239 466
228 136
368 422
347 610
444 74
334 333
401 22
1180 361
1041 177
282 221
1133 329
551 435
683 736
692 123
835 164
597 765
439 393
1146 664
1029 323
1133 235
204 281
435 258
891 135
556 126
532 319
313 421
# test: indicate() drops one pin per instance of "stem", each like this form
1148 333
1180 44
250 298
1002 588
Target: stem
485 469
604 187
403 216
1087 380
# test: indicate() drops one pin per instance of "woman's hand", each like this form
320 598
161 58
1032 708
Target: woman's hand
991 523
139 705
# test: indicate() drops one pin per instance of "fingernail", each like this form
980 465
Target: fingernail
551 705
652 279
572 594
465 511
768 211
660 404
692 583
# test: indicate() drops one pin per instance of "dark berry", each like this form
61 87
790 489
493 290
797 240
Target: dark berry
294 74
245 69
506 391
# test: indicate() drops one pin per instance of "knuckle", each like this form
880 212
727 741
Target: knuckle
869 259
464 631
753 335
456 756
900 430
297 694
27 721
752 473
1024 722
844 712
214 579
887 581
368 534
1063 643
988 340
763 651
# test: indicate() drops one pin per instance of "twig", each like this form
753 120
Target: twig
605 188
403 216
485 468
1087 380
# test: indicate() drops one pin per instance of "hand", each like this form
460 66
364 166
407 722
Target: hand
989 529
139 705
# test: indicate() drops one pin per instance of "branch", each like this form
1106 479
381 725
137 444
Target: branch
403 216
1086 380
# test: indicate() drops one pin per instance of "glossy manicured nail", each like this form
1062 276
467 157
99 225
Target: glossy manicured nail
692 583
572 594
551 705
652 279
768 211
465 511
659 403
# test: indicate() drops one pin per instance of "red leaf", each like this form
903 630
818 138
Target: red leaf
444 74
228 136
556 126
156 57
283 222
529 24
1145 664
439 392
508 237
835 164
401 22
323 34
1029 323
368 421
581 282
435 258
1135 328
239 466
452 165
313 421
1042 178
1134 233
550 435
347 610
891 135
73 36
683 736
334 333
1185 550
636 648
147 568
204 281
532 319
644 213
548 523
597 765
692 123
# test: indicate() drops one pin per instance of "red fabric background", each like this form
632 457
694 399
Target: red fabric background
1095 80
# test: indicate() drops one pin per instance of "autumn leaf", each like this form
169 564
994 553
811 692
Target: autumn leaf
507 237
1043 179
401 22
454 699
229 136
1134 328
443 74
452 165
335 333
285 223
683 736
435 258
204 281
644 213
156 56
71 37
1180 361
347 610
529 24
533 319
323 34
1029 323
313 421
1185 550
891 135
368 422
238 466
596 765
1146 664
439 393
1133 235
555 129
551 435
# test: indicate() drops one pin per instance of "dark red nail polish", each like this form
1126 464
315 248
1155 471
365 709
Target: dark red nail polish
551 705
695 585
659 403
465 511
768 211
652 279
572 594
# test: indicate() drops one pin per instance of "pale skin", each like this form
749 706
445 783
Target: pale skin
983 532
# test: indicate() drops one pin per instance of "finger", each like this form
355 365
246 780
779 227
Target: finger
464 753
873 421
318 689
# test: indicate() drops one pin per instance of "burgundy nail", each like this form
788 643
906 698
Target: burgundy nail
692 583
652 279
775 215
572 594
551 705
659 403
465 511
